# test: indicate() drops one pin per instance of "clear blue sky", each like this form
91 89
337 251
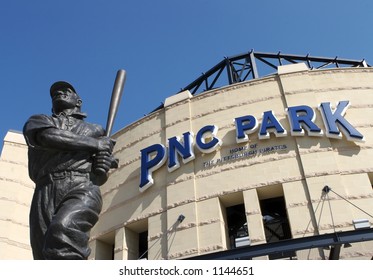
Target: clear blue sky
163 45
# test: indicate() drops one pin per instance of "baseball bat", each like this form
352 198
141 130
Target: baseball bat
115 100
113 108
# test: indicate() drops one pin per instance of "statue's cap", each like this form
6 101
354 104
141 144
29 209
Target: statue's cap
60 85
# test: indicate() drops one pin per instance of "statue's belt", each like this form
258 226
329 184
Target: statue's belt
69 173
60 175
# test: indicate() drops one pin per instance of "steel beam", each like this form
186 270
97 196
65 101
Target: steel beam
253 65
201 84
335 240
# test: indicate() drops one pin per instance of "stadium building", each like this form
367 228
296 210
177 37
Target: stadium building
265 156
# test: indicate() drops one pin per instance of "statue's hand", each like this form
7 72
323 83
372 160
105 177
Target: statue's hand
114 162
102 161
105 144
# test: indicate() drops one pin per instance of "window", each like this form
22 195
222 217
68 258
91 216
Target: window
105 247
143 245
137 240
234 213
276 223
237 226
275 218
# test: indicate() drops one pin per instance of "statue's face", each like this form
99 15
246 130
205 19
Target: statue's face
63 99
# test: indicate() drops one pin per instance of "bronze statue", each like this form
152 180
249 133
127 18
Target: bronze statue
66 159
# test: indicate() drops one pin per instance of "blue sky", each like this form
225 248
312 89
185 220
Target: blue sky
163 45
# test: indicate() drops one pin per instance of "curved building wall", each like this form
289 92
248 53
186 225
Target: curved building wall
16 190
293 168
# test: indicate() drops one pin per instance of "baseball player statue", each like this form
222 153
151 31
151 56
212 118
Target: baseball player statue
64 154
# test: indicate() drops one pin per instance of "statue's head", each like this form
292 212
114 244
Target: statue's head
64 97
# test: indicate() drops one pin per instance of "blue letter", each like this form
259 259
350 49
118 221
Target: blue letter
303 117
270 122
175 148
148 164
211 145
331 119
244 124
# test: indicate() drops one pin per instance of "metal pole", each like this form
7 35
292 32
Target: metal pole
254 69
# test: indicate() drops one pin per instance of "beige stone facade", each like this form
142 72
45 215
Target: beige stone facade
16 190
290 169
202 192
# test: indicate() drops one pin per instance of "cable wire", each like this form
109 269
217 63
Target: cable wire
352 204
331 213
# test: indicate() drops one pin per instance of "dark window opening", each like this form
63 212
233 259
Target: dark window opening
276 223
237 226
143 245
112 252
104 249
370 176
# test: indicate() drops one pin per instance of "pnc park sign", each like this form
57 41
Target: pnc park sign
301 119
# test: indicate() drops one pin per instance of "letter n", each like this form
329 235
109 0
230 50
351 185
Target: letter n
175 148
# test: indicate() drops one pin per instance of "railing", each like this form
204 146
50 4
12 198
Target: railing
253 65
247 66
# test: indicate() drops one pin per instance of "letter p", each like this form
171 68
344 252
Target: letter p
152 158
